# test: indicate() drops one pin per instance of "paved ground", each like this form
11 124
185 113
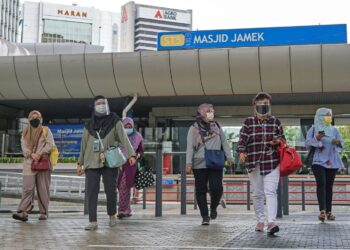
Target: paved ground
234 229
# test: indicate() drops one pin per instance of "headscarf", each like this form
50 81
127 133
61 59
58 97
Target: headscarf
319 122
30 134
101 123
135 138
205 127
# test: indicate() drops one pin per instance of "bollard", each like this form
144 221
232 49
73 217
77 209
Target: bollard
86 210
195 204
279 200
183 186
159 183
302 195
0 192
144 198
248 195
285 196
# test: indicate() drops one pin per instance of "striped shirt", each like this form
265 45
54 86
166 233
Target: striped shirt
254 140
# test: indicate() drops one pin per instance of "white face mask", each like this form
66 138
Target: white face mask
210 116
101 108
129 131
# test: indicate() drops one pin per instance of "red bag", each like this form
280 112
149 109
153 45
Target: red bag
42 165
290 160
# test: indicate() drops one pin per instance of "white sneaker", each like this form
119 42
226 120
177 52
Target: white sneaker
91 227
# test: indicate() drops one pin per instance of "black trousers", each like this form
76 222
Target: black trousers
93 177
325 180
202 177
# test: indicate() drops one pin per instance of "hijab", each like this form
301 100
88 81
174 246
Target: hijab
135 138
320 124
102 123
30 134
205 128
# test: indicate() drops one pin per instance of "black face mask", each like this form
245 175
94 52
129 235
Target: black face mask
262 109
35 123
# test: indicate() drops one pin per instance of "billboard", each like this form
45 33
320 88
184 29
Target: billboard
67 138
275 36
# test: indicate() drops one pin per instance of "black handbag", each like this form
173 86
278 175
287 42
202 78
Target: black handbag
310 155
144 178
214 158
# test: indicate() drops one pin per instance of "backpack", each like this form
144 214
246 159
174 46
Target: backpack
290 160
54 152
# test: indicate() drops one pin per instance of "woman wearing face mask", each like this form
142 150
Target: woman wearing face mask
35 145
328 143
258 143
207 129
109 128
126 177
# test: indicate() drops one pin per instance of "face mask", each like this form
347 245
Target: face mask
210 116
35 123
328 120
101 108
129 131
262 109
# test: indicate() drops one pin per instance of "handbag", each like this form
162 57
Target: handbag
113 155
144 178
214 158
290 160
44 162
310 155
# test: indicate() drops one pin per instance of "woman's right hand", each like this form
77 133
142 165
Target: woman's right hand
319 136
80 170
188 169
242 157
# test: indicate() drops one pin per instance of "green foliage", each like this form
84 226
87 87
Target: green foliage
11 160
345 133
68 160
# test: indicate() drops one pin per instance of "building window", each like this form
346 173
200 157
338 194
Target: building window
66 32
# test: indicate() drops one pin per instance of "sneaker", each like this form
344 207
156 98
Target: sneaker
322 216
330 216
91 227
205 221
259 227
20 216
213 214
112 222
42 217
272 228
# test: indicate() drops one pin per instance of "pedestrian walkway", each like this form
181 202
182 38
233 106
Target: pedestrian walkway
234 229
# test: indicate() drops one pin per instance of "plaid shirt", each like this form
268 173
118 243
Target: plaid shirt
254 139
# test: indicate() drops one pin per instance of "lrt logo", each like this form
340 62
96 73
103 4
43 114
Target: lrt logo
124 15
172 40
158 15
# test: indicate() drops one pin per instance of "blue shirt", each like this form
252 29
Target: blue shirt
326 154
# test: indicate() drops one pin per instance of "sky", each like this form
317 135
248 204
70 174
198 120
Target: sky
226 14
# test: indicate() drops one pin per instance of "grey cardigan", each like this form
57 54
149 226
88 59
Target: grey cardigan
195 158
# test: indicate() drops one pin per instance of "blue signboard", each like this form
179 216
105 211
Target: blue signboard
67 138
298 35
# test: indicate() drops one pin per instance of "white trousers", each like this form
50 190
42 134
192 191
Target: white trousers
265 187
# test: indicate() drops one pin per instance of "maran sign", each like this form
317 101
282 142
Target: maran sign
298 35
75 13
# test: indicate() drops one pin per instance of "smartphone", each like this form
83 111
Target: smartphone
321 132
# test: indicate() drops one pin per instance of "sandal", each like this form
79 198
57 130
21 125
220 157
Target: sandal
322 216
20 216
330 216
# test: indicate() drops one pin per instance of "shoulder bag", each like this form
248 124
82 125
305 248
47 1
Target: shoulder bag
113 155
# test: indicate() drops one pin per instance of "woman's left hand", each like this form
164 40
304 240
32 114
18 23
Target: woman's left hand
132 160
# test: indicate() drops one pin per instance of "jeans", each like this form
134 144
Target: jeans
324 179
202 177
265 186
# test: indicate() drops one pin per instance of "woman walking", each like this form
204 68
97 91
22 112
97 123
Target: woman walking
126 177
327 142
206 134
37 142
103 128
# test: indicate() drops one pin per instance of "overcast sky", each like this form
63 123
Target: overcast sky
226 14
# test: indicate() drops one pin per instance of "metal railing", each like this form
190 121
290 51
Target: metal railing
237 190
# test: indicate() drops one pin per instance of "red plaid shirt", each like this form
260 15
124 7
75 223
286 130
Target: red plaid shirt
254 139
